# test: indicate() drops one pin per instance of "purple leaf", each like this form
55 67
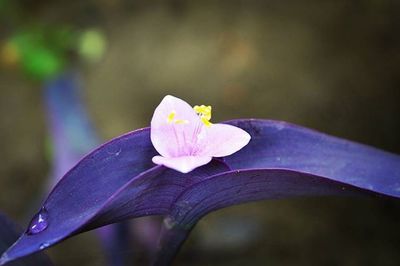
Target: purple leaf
9 232
118 181
73 136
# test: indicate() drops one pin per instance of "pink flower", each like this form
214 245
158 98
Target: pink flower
186 139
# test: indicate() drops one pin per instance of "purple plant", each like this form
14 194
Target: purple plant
72 135
118 181
9 232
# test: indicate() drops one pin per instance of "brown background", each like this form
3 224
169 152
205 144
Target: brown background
329 65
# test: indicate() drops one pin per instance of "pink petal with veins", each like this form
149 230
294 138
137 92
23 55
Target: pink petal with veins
185 142
222 140
170 139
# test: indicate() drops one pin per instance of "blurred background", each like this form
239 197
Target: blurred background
328 65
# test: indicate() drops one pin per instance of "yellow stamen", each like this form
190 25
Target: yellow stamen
206 122
205 114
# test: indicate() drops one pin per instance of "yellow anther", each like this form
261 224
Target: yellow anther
206 122
170 117
205 114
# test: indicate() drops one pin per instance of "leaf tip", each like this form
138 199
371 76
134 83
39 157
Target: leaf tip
4 259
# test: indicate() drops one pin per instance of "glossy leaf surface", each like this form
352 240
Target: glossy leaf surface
118 180
9 232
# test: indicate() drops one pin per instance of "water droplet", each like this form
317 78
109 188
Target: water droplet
44 245
38 223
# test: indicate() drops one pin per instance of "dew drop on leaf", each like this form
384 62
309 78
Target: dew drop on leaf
44 245
38 223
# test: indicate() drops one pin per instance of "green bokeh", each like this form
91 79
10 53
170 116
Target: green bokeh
92 45
42 51
42 63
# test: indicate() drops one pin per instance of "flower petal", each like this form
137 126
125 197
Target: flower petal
222 140
173 136
183 164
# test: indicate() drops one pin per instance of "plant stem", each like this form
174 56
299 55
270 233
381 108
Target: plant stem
172 236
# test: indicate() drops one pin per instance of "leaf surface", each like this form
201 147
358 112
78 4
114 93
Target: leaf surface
9 232
118 180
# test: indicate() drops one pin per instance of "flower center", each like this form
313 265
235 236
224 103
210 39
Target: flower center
205 114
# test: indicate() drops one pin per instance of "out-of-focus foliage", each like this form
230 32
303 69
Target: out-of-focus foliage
39 56
40 48
42 52
2 4
92 45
